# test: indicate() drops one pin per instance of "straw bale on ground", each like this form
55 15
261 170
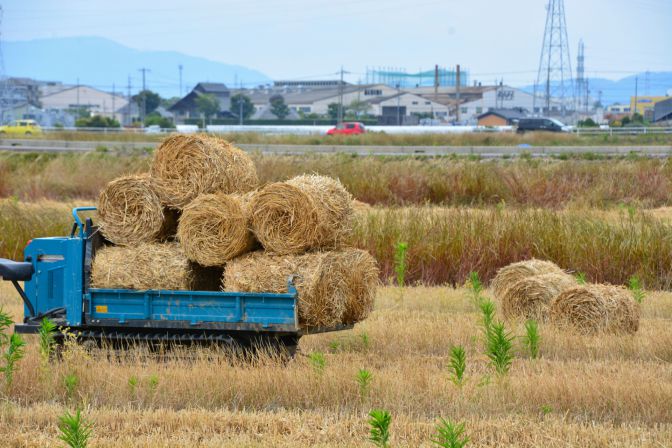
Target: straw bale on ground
595 308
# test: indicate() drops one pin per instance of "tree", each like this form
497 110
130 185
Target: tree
156 119
207 104
332 110
587 123
169 102
97 121
248 107
152 100
278 107
359 107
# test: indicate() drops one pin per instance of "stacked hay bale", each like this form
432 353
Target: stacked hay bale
151 266
540 290
301 224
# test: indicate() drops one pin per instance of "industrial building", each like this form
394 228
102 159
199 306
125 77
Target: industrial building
86 99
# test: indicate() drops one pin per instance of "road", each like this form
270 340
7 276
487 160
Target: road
25 145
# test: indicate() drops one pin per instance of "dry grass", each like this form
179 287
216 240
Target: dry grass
334 287
130 212
186 166
214 228
305 212
150 266
380 138
446 244
584 391
596 308
382 180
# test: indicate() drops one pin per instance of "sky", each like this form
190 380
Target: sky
312 39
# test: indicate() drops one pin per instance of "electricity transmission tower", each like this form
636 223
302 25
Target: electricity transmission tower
581 81
555 67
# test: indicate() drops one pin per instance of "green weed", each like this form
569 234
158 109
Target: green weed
450 435
379 424
500 348
74 429
532 338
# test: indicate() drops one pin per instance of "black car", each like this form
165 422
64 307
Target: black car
540 124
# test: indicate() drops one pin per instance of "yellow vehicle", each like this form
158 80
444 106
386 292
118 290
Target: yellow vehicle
21 127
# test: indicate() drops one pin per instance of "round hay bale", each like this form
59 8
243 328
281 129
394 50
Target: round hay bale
130 212
150 266
306 212
361 278
214 228
591 309
509 275
327 282
185 166
530 297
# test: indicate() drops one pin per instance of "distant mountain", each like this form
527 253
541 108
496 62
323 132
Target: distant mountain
100 62
653 84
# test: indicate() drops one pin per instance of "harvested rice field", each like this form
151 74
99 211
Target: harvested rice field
582 391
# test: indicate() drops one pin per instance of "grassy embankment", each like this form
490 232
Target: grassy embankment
582 391
378 138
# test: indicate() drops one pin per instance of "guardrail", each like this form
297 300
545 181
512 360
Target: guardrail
321 130
622 131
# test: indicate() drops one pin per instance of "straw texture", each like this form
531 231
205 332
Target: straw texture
130 212
530 297
509 275
330 284
591 309
303 213
185 166
214 228
150 266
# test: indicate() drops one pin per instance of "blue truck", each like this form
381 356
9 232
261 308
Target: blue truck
56 273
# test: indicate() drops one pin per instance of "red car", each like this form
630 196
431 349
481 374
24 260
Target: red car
348 128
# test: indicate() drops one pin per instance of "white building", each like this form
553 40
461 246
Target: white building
505 97
95 101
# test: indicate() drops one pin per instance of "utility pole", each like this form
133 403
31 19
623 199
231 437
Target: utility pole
634 107
143 112
179 67
457 93
77 95
240 107
339 122
436 88
114 110
129 119
398 106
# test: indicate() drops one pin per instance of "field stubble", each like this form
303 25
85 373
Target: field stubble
583 391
